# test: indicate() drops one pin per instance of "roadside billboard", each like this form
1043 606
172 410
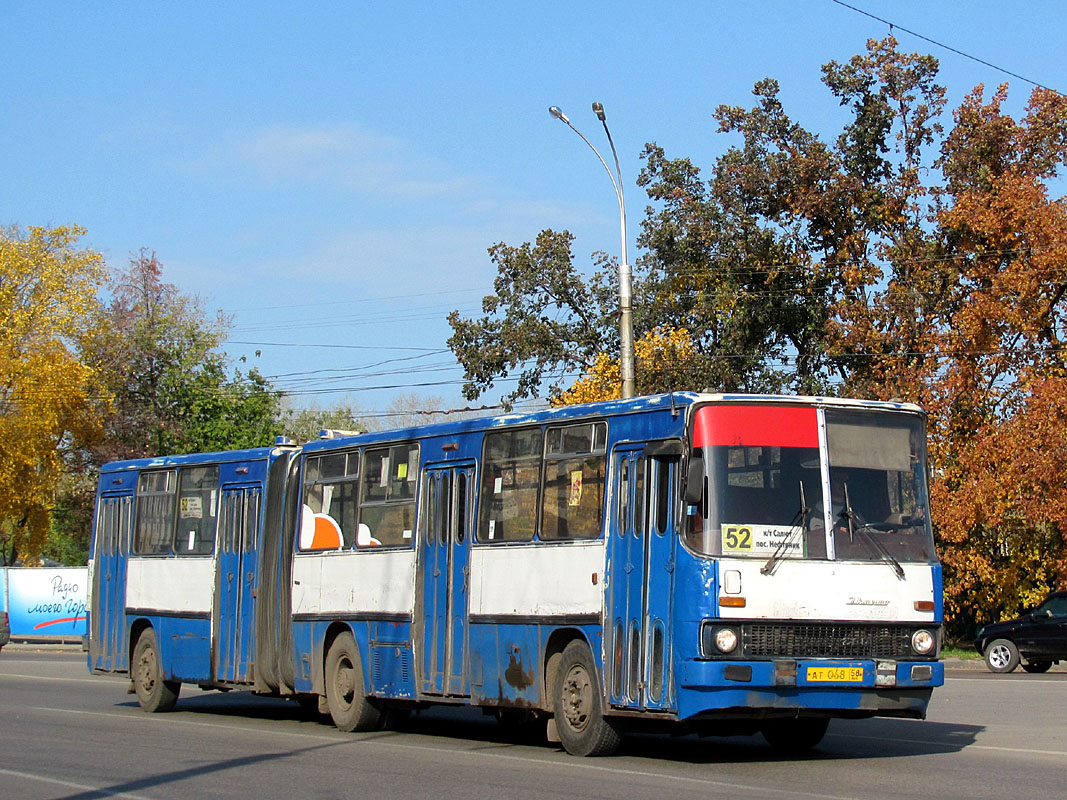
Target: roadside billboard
44 603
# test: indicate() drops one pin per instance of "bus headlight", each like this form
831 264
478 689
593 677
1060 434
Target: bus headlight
922 642
725 640
717 639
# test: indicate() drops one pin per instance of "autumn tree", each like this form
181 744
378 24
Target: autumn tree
890 261
999 396
664 355
50 400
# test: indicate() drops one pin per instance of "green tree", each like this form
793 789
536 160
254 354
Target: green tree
305 424
543 323
175 389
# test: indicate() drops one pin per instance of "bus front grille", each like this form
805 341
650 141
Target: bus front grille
826 640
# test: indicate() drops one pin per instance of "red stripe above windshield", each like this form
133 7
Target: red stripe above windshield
756 426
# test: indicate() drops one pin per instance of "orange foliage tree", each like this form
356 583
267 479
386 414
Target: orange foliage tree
663 359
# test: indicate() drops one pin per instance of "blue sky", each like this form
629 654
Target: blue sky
331 174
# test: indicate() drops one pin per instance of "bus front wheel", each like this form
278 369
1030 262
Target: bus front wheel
795 735
578 705
153 692
346 694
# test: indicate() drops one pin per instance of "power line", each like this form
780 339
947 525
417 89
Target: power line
428 350
351 301
893 25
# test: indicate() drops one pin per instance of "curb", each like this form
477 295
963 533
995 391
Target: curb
44 647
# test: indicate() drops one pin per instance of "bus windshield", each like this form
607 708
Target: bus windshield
763 485
878 502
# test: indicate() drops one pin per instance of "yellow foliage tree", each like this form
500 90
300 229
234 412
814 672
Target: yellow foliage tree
48 401
666 360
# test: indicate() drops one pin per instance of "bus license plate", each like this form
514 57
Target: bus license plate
835 674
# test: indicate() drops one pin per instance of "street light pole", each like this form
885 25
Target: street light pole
626 331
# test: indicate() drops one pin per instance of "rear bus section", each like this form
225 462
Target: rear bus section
176 570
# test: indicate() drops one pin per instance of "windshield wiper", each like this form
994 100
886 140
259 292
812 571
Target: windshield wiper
799 523
866 529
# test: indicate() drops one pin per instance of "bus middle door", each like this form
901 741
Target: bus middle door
444 580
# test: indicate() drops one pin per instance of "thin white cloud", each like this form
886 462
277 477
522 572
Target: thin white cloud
349 157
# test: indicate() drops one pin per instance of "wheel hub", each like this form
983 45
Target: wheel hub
578 698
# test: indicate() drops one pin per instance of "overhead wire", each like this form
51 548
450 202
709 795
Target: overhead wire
895 26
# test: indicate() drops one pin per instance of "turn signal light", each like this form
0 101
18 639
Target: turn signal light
924 605
732 602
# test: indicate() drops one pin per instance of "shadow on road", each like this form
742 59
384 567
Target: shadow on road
846 739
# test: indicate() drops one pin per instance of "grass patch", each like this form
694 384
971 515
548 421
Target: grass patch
959 650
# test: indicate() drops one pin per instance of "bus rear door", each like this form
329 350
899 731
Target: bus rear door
107 635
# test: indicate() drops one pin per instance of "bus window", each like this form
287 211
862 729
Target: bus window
510 478
330 501
155 512
640 498
575 467
197 511
387 513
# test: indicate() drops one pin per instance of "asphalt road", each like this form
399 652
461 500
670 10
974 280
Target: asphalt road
66 734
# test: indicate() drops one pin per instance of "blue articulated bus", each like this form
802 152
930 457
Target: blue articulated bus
711 563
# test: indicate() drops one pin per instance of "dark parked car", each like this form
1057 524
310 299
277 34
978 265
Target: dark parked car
1039 638
5 630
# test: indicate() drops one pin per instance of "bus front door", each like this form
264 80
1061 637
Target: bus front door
107 618
235 591
641 569
444 579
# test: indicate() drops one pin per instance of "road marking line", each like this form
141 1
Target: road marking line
953 745
71 785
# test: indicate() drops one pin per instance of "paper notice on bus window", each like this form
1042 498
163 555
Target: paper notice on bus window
327 498
492 526
575 498
192 507
407 533
401 470
192 541
498 485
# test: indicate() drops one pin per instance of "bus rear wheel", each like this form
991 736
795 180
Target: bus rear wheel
580 721
346 694
153 692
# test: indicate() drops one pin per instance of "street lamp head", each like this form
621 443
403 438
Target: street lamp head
598 109
555 112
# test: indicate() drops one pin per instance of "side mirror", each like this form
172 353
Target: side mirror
694 482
